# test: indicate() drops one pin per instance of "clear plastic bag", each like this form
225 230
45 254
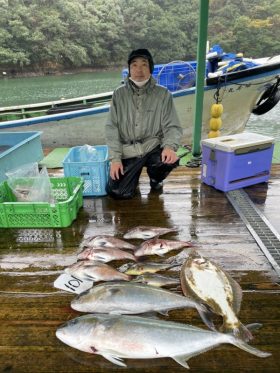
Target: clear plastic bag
29 184
88 153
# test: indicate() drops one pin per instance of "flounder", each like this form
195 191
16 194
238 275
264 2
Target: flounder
206 282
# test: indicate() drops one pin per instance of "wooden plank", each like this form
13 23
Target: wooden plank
31 309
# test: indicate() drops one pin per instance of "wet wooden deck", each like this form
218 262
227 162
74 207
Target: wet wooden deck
31 309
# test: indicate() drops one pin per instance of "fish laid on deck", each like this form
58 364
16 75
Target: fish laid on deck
144 233
158 246
105 254
206 282
131 337
131 298
156 280
95 271
136 269
106 241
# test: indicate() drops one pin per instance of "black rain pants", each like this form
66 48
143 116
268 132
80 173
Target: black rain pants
125 187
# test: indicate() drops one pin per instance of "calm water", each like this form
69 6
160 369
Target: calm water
267 124
19 91
46 88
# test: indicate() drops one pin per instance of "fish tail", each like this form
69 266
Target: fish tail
174 261
245 347
240 332
136 278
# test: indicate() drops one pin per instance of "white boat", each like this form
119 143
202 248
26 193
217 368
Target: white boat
254 89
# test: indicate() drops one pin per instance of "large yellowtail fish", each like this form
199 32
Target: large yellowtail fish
206 282
130 337
132 298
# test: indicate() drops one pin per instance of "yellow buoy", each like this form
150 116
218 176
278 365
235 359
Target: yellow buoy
215 123
213 134
216 110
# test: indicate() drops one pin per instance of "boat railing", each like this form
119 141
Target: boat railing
53 107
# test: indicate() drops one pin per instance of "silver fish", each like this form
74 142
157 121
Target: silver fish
106 241
131 298
130 337
145 267
156 280
105 254
158 246
146 233
206 282
95 271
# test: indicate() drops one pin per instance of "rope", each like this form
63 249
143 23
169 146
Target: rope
223 79
194 162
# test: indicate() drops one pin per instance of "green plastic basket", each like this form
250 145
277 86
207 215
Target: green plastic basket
68 193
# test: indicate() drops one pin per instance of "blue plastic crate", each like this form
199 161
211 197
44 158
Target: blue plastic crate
18 148
94 173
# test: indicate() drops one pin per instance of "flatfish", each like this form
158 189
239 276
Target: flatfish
206 282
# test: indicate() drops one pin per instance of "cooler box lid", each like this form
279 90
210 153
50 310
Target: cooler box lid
242 140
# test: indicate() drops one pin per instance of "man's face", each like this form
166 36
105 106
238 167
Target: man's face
139 69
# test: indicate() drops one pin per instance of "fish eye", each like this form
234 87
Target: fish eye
72 322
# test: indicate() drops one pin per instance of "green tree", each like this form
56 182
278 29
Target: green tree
58 34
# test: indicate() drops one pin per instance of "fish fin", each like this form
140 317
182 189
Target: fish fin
207 316
240 332
237 294
137 278
188 244
113 358
150 315
90 278
245 347
164 312
181 359
179 259
160 254
243 333
254 326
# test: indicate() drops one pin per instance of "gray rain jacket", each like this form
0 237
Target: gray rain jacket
140 119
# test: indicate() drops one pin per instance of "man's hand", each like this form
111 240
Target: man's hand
116 169
168 156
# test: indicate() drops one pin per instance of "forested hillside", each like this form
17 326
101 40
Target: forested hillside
47 35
